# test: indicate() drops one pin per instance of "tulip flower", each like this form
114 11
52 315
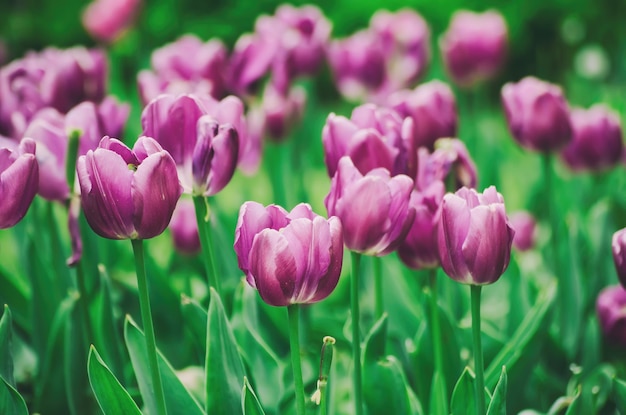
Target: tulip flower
619 254
597 139
433 109
281 111
449 163
53 78
184 228
128 193
537 114
474 46
611 310
474 236
107 20
374 208
187 65
525 226
289 257
19 173
373 137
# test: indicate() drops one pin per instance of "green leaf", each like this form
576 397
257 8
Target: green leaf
11 402
619 394
74 362
438 399
498 400
528 329
375 342
224 367
110 394
249 403
463 401
575 407
6 359
195 318
177 399
385 388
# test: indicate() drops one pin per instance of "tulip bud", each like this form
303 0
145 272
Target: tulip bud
107 20
619 254
19 176
184 228
524 225
474 46
290 258
374 209
537 114
433 109
474 236
611 310
597 139
128 193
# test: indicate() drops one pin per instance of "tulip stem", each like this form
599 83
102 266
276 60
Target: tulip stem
356 333
84 302
378 287
146 317
201 205
478 351
294 343
436 336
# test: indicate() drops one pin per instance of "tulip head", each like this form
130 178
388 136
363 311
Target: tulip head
19 178
525 226
107 20
619 254
474 236
290 258
611 310
374 208
537 114
474 46
128 193
597 139
184 228
450 163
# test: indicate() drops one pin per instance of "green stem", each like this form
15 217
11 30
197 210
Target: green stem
378 287
294 342
277 169
146 317
84 302
478 351
356 333
324 378
436 334
201 205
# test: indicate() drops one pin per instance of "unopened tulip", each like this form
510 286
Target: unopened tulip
290 258
449 163
619 254
19 177
524 225
537 114
433 109
128 193
184 228
474 46
474 236
597 140
107 20
373 137
374 208
419 248
611 310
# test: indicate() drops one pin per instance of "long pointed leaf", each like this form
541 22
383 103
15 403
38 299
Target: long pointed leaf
6 361
498 401
249 402
11 402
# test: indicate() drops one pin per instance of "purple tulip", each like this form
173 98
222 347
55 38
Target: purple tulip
373 137
50 129
374 209
53 78
474 236
187 65
597 139
290 258
619 254
250 61
419 248
128 193
184 228
433 109
201 134
281 111
449 163
474 46
524 225
107 20
611 310
19 176
537 114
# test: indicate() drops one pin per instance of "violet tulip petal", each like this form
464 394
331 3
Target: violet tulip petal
329 281
369 151
19 178
273 266
453 228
